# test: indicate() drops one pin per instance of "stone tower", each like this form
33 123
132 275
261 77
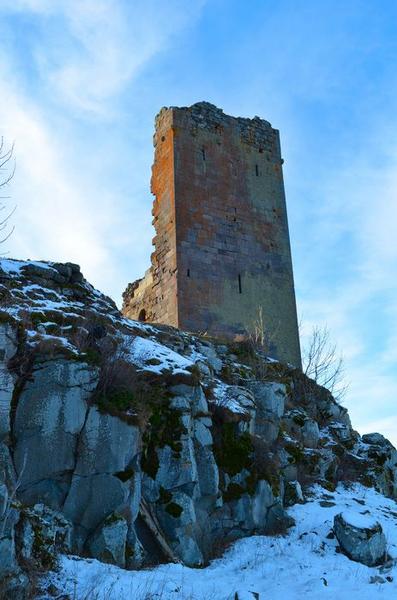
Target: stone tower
222 254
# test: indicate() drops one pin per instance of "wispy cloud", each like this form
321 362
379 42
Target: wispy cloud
357 296
75 74
89 50
86 53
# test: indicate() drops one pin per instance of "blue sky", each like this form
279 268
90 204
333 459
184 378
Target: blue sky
81 81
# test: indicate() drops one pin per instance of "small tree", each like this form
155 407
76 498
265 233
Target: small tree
7 170
323 363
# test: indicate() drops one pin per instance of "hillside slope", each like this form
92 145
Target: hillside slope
137 445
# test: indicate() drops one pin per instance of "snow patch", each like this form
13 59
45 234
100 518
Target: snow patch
155 357
358 520
12 266
238 404
303 564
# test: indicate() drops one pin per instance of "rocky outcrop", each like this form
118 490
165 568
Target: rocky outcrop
137 444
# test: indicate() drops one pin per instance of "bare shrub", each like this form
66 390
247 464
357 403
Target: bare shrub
7 509
122 390
261 336
7 170
259 345
323 363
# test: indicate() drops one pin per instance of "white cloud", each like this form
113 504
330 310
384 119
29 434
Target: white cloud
89 50
358 301
87 53
52 211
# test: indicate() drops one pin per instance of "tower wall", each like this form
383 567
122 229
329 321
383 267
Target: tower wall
222 259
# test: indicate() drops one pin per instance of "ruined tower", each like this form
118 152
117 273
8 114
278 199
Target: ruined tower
222 258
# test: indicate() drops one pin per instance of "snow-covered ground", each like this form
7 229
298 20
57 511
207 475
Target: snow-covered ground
304 564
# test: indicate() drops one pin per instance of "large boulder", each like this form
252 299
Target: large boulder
360 537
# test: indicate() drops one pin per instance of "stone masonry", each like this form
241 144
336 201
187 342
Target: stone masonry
222 258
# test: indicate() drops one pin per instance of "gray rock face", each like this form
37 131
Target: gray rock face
269 397
8 347
106 445
377 439
167 461
109 543
8 559
262 501
293 493
270 406
310 433
3 499
361 538
42 533
103 478
50 415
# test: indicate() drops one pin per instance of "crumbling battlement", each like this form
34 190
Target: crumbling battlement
222 254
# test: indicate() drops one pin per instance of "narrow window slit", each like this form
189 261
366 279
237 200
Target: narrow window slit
240 291
257 170
203 153
188 273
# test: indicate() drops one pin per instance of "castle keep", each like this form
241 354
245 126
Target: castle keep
222 255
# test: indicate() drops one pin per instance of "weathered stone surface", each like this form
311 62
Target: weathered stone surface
278 520
179 522
106 445
3 499
8 346
341 431
262 501
91 499
50 415
269 402
41 534
361 538
8 561
213 268
108 544
202 433
207 470
16 587
269 397
212 357
177 470
135 554
377 439
310 433
293 493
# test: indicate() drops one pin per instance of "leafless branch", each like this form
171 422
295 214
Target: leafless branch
7 171
322 362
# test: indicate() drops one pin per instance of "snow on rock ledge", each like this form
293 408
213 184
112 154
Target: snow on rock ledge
154 444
